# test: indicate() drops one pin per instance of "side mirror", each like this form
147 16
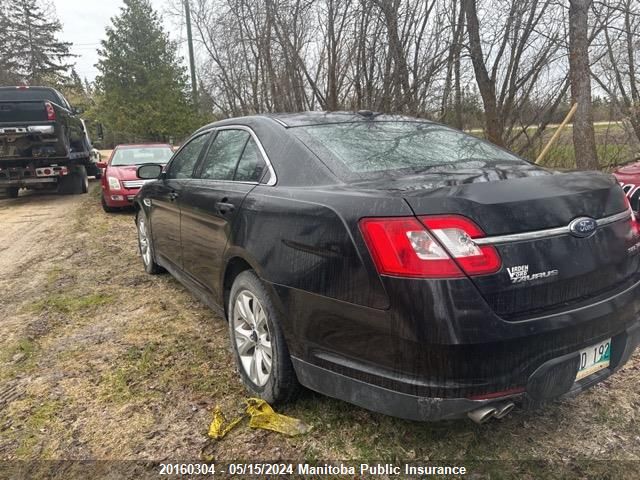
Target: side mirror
101 164
150 171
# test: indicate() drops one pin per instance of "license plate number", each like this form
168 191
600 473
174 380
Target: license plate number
594 358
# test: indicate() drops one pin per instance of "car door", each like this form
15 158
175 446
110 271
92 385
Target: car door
230 169
165 198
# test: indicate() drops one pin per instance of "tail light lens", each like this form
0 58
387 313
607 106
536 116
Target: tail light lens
635 226
51 112
428 247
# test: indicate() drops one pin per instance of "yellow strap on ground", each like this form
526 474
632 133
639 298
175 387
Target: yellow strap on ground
262 416
219 426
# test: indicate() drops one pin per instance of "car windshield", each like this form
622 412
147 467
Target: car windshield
370 149
138 156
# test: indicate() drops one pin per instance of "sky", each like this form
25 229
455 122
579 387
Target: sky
84 22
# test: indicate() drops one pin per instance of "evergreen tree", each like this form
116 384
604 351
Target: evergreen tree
31 50
8 66
142 87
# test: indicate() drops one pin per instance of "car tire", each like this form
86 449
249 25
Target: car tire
75 183
254 331
107 208
13 192
145 245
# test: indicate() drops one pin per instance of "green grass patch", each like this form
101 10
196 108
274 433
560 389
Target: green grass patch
609 155
42 417
127 381
69 304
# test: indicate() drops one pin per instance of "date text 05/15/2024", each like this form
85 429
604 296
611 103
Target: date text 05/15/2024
286 469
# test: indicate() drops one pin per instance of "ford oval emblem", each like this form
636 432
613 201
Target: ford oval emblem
583 227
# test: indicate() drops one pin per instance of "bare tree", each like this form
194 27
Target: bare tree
517 51
584 141
617 71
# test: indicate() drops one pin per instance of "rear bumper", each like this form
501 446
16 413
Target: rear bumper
26 182
450 360
553 379
28 130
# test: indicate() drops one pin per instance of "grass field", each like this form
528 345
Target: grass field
613 145
99 360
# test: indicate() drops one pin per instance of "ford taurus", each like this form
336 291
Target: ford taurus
396 263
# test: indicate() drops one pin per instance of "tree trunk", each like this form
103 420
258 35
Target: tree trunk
584 141
494 123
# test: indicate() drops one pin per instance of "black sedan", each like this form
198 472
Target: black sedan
396 263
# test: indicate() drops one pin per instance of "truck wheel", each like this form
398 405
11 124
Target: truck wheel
85 179
258 343
75 182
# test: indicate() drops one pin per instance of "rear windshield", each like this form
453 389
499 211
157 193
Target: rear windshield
139 156
28 95
371 149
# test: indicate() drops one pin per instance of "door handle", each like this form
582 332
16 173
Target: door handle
173 196
223 208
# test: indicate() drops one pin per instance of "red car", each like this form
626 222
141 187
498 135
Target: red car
120 184
629 178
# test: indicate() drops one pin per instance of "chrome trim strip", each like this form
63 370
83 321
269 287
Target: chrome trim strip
550 232
614 218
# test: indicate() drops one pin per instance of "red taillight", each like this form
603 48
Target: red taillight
404 247
635 225
51 112
456 234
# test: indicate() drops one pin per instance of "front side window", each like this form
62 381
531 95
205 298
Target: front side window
185 160
222 158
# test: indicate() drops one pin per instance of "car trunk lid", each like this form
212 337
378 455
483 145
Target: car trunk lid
553 268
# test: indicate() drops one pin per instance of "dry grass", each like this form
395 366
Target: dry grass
111 363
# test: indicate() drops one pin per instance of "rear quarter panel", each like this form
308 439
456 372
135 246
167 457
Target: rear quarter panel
309 240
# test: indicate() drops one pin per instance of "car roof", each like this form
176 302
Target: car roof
319 118
290 120
27 87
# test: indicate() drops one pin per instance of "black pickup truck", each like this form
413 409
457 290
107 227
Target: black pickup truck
43 142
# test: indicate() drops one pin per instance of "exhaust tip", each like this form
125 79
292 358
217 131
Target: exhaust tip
504 410
482 414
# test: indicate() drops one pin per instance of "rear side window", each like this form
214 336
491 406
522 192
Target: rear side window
185 160
251 166
388 148
222 158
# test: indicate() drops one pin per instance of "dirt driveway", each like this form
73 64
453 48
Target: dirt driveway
100 361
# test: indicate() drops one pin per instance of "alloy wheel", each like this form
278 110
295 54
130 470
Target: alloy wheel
145 249
252 337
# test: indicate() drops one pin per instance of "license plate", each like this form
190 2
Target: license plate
594 358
